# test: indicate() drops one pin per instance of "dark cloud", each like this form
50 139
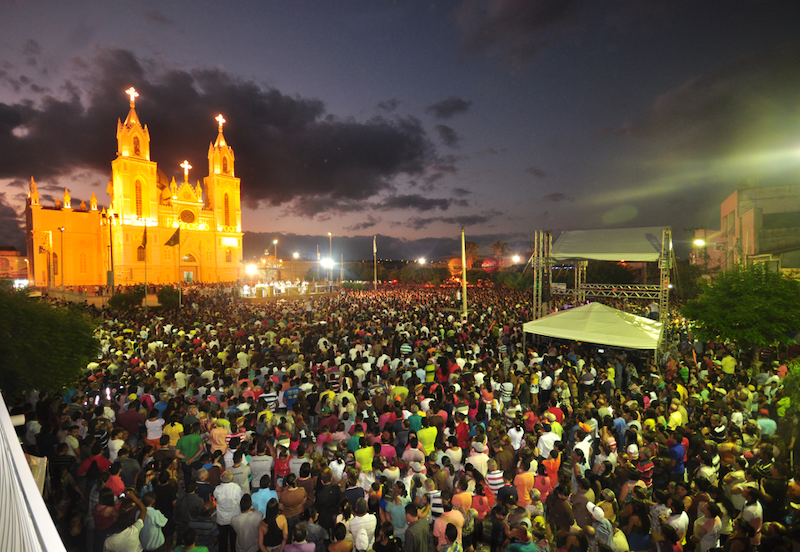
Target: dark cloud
418 223
17 183
370 222
449 107
538 173
415 202
731 109
519 30
289 151
389 105
461 192
557 197
12 231
447 135
155 16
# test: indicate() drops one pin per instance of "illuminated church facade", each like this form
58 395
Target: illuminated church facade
83 246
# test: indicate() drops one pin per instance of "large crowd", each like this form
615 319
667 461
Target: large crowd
383 421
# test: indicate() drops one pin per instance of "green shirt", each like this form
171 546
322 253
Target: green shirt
189 445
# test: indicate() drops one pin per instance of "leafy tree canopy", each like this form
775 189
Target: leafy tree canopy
749 305
41 346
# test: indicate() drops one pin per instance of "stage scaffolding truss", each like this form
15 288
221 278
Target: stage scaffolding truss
578 247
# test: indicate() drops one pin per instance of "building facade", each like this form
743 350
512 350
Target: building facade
757 224
88 246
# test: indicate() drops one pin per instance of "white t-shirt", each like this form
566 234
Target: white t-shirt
154 428
125 541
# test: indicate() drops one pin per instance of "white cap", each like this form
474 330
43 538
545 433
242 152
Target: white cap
597 512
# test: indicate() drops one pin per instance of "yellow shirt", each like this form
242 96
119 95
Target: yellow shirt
427 437
364 457
173 432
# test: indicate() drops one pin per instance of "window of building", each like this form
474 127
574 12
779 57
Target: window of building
227 211
82 263
141 252
55 264
228 255
208 254
167 253
136 149
139 210
187 216
225 165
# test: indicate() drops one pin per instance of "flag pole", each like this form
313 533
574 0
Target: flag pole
144 243
463 274
180 294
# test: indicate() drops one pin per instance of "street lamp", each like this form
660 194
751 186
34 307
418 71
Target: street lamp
330 254
61 228
110 219
515 259
421 260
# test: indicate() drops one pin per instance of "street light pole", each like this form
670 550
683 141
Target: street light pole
61 228
330 256
277 265
109 220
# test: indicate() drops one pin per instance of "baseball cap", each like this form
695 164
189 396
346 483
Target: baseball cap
597 512
633 451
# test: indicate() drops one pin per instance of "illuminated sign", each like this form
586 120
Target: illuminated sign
222 228
190 225
233 242
139 222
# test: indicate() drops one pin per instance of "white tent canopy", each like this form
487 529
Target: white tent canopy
601 324
620 244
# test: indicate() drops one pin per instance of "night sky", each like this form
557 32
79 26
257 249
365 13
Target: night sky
408 119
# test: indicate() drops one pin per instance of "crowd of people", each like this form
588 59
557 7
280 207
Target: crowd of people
383 421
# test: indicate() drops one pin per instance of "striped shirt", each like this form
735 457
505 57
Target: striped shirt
271 399
494 480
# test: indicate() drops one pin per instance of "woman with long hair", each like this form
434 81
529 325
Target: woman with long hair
104 514
394 510
273 532
637 528
124 533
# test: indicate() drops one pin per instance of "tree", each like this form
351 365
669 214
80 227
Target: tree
605 272
41 346
168 297
749 305
499 250
472 250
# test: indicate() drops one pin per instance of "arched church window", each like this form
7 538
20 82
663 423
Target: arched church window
137 150
227 213
138 191
228 255
140 253
55 264
225 165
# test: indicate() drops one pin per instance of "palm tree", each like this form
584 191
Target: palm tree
472 249
499 250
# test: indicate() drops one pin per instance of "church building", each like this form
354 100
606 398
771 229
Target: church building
153 230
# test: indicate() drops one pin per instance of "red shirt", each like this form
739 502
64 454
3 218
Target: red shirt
102 462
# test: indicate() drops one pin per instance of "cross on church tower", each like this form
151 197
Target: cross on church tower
221 120
186 166
133 94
